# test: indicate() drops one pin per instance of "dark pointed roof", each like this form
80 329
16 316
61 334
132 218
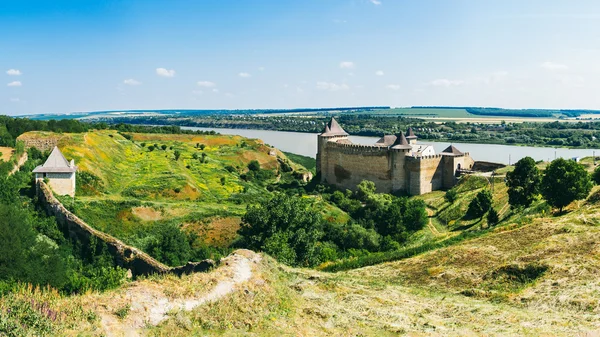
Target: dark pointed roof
56 163
401 142
333 129
410 134
387 140
452 150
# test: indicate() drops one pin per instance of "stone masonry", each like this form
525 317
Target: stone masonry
395 163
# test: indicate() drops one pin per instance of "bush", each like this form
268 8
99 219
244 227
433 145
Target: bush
88 184
492 217
254 165
451 196
480 204
282 225
168 244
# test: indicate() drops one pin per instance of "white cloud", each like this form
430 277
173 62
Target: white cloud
15 100
444 82
379 73
131 81
332 86
245 75
206 84
15 84
216 91
393 86
13 72
261 68
376 2
347 65
165 72
197 92
552 66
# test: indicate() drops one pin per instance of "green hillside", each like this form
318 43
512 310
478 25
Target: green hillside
130 185
534 278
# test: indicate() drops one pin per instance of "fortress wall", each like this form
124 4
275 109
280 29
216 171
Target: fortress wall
451 164
125 256
400 175
349 164
426 174
42 144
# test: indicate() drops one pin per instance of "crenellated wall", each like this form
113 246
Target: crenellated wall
125 256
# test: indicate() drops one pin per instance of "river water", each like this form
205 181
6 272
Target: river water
306 144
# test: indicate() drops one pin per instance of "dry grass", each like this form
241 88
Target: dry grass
6 153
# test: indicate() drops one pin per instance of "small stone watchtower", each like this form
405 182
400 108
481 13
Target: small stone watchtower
60 173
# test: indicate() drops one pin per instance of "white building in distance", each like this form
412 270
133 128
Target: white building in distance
60 173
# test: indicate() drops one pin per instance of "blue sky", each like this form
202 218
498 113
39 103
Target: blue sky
64 56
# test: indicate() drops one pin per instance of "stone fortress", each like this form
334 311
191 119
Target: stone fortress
393 163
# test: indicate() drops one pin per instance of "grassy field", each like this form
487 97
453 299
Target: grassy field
459 116
203 191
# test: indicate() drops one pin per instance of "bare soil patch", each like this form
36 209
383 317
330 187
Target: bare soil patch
5 153
147 213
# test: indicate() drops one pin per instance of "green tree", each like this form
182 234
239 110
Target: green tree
596 175
177 154
492 217
565 181
254 165
169 245
164 147
365 189
480 204
523 183
282 225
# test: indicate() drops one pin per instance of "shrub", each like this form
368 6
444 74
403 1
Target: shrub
480 204
254 165
492 217
451 196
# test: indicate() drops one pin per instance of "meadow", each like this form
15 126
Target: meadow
130 185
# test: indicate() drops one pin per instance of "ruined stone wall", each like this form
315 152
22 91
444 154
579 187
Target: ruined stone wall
42 144
426 174
125 256
349 164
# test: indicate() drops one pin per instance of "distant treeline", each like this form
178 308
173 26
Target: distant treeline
514 112
11 128
114 113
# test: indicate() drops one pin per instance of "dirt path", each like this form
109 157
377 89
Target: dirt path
20 163
150 306
432 228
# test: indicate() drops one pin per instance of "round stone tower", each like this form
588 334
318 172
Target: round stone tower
333 132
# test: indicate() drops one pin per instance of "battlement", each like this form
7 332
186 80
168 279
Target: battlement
345 164
364 148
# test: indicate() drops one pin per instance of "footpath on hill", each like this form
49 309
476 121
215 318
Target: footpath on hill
150 306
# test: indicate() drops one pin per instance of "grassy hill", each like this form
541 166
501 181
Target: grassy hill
129 184
536 278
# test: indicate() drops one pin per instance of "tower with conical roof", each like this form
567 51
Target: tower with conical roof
333 132
411 137
59 172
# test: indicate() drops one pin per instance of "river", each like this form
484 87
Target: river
306 144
